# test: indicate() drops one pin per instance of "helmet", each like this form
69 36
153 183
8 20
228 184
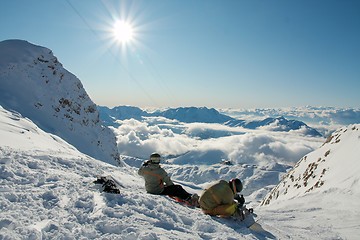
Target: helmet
236 185
155 158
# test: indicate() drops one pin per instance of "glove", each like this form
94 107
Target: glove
240 199
146 163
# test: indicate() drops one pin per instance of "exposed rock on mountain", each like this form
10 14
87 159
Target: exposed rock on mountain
34 83
334 167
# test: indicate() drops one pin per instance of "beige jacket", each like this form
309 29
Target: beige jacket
155 178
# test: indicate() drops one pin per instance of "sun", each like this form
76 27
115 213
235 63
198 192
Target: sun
123 32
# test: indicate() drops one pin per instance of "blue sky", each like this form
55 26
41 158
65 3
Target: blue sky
238 54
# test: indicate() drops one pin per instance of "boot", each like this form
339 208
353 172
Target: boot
194 201
239 214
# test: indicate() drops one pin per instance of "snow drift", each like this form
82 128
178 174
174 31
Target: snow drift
34 83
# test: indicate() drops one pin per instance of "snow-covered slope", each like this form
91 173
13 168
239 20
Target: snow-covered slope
323 184
34 83
45 186
333 167
46 192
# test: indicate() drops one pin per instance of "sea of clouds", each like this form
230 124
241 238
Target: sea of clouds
204 143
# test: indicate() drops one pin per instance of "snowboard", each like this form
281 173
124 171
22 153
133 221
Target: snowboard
185 203
108 184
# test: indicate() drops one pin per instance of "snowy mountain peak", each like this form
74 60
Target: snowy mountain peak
195 114
20 51
34 83
333 167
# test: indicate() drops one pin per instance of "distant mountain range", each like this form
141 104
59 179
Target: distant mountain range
309 114
202 115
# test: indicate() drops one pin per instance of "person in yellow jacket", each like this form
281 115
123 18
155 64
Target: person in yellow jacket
219 199
157 181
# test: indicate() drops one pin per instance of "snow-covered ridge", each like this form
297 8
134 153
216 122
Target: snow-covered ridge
194 114
333 167
324 119
34 83
308 114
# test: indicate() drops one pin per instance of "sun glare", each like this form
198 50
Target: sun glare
123 32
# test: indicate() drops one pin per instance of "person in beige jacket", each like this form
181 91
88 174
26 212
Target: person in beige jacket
219 199
157 181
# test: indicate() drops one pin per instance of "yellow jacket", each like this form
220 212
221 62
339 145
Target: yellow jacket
218 200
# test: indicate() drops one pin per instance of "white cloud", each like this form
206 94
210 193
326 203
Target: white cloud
208 130
217 142
140 139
